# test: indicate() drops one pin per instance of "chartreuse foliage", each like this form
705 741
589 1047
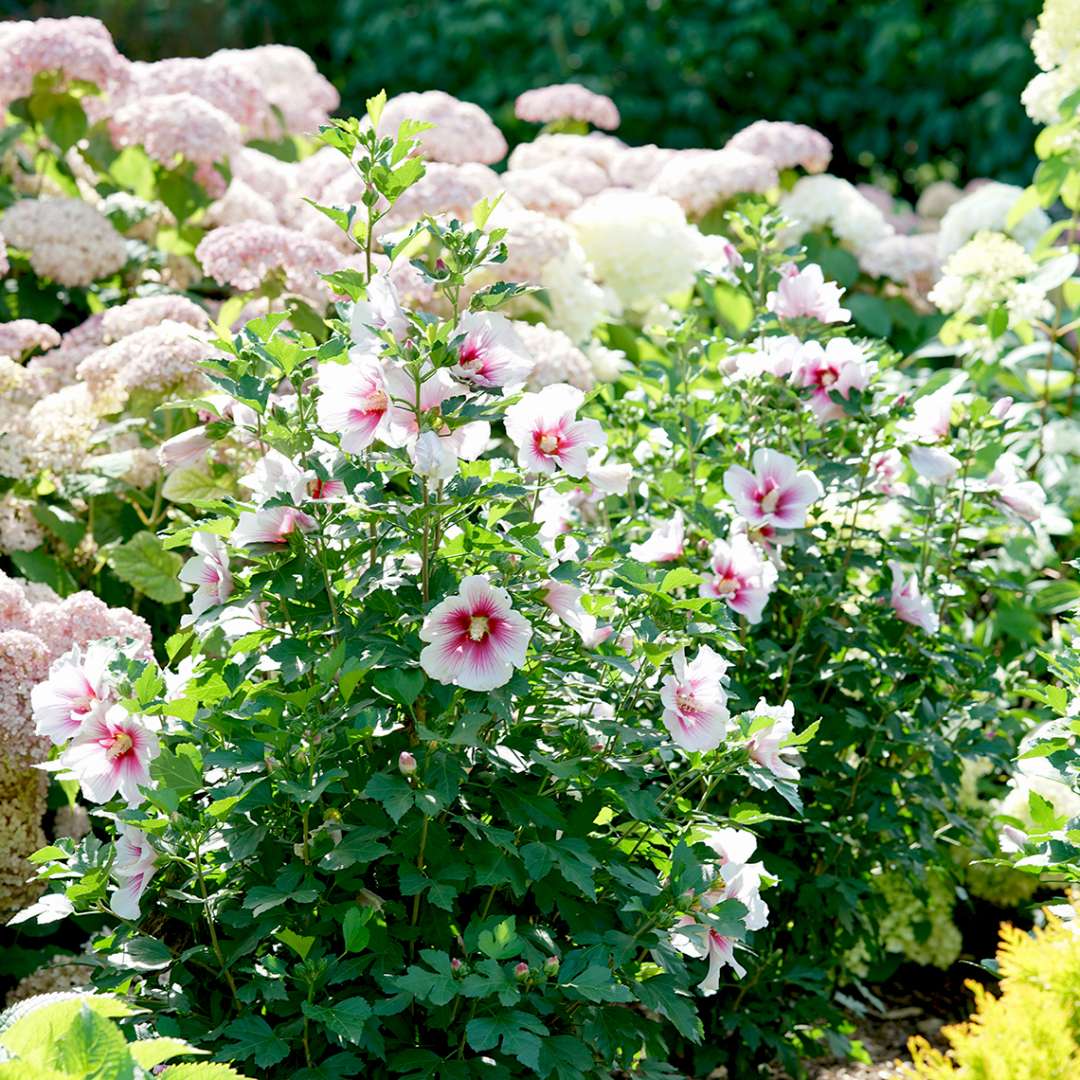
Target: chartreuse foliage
76 1037
1030 1030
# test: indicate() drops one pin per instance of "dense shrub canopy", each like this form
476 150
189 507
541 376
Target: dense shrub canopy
894 83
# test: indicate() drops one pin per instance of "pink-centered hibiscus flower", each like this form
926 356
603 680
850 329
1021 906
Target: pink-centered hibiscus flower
908 602
380 312
742 577
695 700
548 436
776 493
354 402
208 571
664 544
771 726
407 400
76 690
490 353
133 868
475 639
933 463
886 469
112 754
805 293
839 367
564 600
1014 492
737 878
702 942
270 526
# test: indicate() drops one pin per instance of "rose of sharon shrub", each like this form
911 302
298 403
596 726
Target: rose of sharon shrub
409 762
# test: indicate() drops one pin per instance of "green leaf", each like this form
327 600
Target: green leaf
401 684
264 897
355 928
38 565
142 954
179 770
300 945
345 1019
150 1052
145 565
393 792
253 1037
597 983
193 485
202 1070
60 522
500 942
680 578
65 122
359 846
375 106
517 1031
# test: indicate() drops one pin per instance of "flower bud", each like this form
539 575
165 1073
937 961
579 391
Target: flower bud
551 966
406 763
1001 408
521 971
456 966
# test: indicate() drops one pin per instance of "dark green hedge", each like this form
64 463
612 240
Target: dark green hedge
893 82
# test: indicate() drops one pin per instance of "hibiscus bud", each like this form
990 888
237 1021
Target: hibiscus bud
456 966
703 545
551 967
1001 408
406 763
521 971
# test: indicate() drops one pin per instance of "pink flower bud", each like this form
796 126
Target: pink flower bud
551 966
1002 408
406 763
521 971
456 965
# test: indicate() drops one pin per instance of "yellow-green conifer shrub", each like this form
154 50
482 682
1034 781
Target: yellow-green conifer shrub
1031 1031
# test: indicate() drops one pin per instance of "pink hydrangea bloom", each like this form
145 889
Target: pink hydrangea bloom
126 319
840 367
76 690
245 255
695 700
742 577
208 571
766 743
112 754
290 82
490 353
699 180
228 89
168 126
665 543
908 603
462 131
776 493
785 144
548 436
567 101
806 294
79 48
21 335
475 638
132 868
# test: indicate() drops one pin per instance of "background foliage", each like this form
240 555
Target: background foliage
895 84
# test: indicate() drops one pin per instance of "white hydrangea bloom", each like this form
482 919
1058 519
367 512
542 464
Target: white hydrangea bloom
640 245
577 302
828 201
990 271
1058 35
987 209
